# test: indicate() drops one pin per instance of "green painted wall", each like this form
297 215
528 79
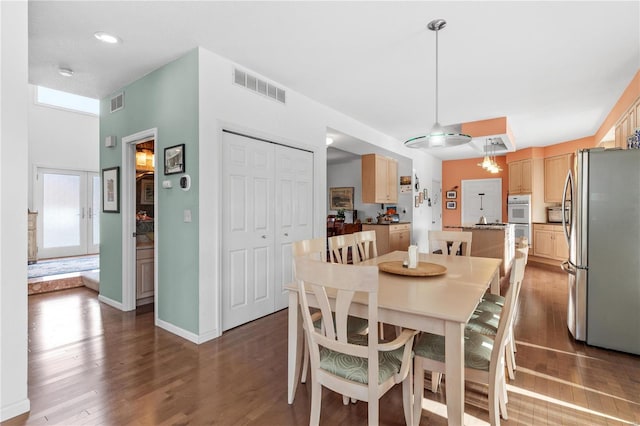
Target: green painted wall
166 99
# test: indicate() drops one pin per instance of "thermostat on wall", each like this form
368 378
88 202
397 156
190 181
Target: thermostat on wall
185 182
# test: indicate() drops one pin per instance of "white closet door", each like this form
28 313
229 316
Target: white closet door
293 212
248 230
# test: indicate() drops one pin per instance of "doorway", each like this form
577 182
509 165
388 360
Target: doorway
481 197
68 205
436 205
139 218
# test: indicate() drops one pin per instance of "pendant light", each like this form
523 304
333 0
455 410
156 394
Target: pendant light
489 162
438 137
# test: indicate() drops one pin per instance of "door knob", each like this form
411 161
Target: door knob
286 234
264 237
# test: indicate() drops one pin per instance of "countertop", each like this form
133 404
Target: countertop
386 223
491 226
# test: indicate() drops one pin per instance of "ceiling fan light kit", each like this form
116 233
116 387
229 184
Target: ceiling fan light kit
438 137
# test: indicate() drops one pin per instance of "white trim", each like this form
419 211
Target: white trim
111 302
128 186
10 411
192 337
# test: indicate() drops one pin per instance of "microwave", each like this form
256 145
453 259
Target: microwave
554 214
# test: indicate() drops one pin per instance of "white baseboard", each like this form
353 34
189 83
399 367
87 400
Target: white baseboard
10 411
111 302
192 337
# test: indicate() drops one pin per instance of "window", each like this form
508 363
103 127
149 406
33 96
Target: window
59 99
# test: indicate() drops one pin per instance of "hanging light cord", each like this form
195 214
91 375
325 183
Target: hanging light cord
437 30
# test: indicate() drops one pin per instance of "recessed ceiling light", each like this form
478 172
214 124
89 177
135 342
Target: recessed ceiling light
329 141
106 37
66 72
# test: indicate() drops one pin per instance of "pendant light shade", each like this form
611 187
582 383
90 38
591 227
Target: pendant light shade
438 137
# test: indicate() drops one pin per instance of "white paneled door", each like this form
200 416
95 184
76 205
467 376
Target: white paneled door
68 204
267 199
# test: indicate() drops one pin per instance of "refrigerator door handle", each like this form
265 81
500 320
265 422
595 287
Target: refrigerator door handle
566 268
568 184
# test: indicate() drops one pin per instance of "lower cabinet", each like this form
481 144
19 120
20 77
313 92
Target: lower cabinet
390 237
144 275
549 241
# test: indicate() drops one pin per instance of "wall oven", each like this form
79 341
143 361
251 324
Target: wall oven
519 213
519 209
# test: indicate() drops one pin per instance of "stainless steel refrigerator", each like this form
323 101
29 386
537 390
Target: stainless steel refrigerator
604 249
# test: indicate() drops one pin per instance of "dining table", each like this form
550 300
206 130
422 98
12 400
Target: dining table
439 304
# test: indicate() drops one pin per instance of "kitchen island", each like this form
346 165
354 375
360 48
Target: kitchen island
496 240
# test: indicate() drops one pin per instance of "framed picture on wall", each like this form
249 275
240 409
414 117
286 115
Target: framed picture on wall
341 198
111 190
451 205
174 159
452 194
146 191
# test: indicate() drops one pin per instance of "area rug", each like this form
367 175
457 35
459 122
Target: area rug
65 265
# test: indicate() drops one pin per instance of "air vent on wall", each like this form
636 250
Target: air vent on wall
117 102
257 85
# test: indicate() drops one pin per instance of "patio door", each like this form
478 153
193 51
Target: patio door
68 204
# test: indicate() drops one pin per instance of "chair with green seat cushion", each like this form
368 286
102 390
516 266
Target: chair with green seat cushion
487 314
493 298
361 372
484 356
317 249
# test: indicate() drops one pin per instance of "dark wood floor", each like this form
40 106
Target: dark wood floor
91 364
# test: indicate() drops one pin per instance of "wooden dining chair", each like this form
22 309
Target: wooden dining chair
451 242
342 249
316 249
485 319
366 244
364 371
484 357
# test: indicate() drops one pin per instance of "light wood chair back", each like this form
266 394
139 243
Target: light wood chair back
522 245
451 241
495 376
315 249
366 243
339 248
343 282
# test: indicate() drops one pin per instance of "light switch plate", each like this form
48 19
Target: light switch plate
187 215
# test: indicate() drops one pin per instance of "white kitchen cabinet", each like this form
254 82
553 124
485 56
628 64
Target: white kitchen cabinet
144 274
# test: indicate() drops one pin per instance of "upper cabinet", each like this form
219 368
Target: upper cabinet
379 179
555 173
520 177
629 121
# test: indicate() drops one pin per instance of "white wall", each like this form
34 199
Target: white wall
301 123
61 139
13 208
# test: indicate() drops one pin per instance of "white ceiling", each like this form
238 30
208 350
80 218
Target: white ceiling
555 69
